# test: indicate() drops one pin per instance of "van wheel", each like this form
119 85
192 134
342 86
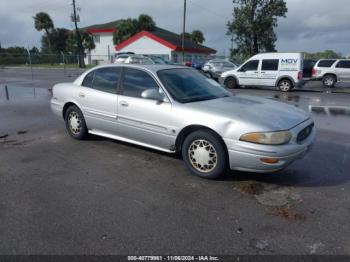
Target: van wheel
329 81
231 83
285 85
204 154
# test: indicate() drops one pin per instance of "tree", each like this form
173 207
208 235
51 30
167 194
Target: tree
42 21
253 25
58 37
323 55
197 36
86 39
132 26
145 22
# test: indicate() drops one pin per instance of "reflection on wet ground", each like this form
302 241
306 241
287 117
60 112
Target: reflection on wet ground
18 93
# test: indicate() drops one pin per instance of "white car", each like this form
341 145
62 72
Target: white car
283 70
331 71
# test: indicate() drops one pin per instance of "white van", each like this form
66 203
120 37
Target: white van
283 70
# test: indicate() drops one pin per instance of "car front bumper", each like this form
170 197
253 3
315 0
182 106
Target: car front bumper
245 156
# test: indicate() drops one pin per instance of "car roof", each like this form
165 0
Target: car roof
150 67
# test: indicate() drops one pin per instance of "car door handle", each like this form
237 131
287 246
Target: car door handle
123 103
81 94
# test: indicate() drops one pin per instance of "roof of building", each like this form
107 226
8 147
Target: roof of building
103 28
165 37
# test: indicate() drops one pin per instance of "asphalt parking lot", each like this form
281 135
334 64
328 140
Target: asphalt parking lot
62 196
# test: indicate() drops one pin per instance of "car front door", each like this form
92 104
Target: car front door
98 99
269 72
144 121
343 70
248 73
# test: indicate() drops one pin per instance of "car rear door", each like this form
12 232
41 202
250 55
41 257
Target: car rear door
139 119
342 69
269 72
98 99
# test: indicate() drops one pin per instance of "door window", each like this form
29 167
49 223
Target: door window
251 65
87 82
106 79
136 81
270 65
343 64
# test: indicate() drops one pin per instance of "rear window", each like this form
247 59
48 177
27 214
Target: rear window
326 63
270 65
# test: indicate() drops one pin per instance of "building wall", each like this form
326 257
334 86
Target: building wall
100 54
147 46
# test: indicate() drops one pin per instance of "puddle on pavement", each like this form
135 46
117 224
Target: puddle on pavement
17 93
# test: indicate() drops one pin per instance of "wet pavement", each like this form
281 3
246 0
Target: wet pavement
62 196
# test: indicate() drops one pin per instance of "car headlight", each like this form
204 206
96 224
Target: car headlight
268 138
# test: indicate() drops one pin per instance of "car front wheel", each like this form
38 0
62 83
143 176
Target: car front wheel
75 123
204 154
231 83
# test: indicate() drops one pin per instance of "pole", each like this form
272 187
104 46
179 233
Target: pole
7 93
30 62
64 63
183 33
78 37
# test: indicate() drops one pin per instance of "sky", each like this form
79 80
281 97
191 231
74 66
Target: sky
310 25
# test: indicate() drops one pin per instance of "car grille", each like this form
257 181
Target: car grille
305 133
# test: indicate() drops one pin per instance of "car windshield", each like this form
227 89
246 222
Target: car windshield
223 64
159 60
188 85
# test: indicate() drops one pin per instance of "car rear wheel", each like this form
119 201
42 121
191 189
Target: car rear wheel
204 154
231 83
329 81
75 123
285 85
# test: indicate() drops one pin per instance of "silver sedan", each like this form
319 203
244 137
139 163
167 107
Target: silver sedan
177 109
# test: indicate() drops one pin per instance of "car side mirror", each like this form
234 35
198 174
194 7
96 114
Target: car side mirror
241 70
153 94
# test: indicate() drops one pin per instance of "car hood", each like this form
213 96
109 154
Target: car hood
264 114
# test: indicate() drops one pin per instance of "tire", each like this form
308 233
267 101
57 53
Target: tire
213 154
285 85
75 123
231 83
208 74
329 81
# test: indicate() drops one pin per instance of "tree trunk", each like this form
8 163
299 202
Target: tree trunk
48 40
255 48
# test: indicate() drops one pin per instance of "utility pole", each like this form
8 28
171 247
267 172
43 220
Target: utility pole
183 33
78 37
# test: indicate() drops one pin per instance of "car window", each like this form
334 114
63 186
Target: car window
106 79
343 64
136 81
87 82
326 63
270 65
251 65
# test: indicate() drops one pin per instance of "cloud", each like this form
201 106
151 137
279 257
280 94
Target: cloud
311 25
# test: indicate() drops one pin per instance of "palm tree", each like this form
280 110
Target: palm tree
197 36
145 22
42 21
